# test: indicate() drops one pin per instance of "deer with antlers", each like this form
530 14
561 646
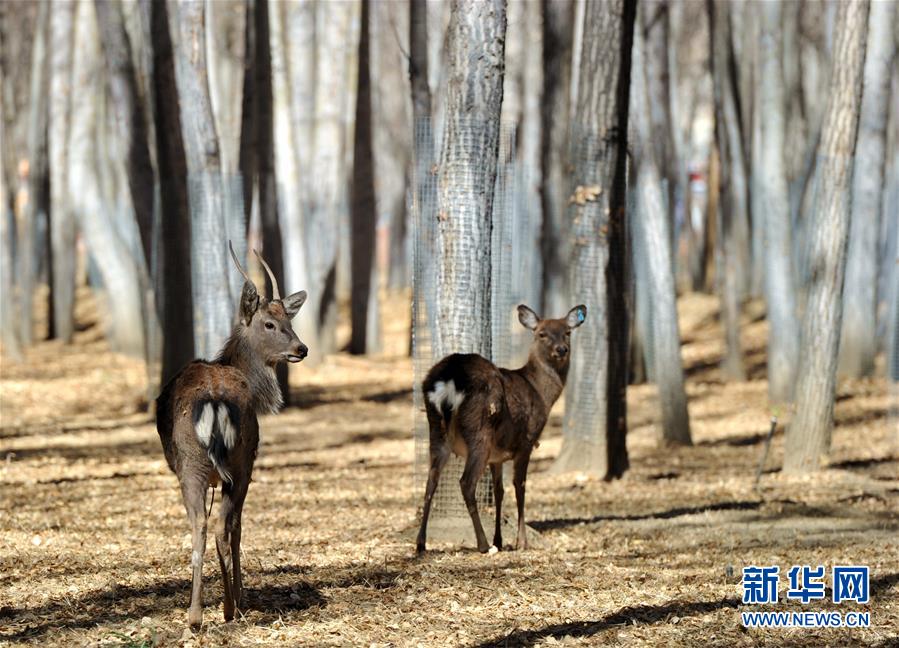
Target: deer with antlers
206 419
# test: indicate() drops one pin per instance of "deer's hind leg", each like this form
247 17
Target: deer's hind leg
439 455
475 464
227 542
193 490
496 470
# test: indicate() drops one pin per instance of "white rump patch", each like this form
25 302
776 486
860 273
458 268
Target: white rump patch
226 427
444 393
204 425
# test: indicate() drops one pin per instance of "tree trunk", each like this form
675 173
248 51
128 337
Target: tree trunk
210 268
364 300
172 267
780 290
655 228
808 437
130 117
858 344
595 424
326 182
62 224
226 65
292 49
558 29
8 334
95 213
35 180
260 129
731 210
391 133
467 175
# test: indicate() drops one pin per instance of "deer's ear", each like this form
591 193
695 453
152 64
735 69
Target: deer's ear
576 316
527 317
249 302
293 302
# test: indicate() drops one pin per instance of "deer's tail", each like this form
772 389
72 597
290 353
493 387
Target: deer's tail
216 424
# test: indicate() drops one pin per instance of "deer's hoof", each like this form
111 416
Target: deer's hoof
420 548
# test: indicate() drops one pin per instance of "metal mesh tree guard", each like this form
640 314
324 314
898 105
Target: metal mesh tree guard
514 254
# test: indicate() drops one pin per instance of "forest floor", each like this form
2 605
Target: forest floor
94 544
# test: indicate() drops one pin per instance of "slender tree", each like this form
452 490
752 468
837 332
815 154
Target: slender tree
37 205
226 64
475 59
732 208
595 405
809 433
8 334
210 269
257 149
172 266
131 117
656 253
780 289
858 344
558 31
94 211
62 223
364 301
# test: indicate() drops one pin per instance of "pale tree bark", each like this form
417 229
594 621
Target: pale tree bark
558 31
732 185
226 66
780 285
595 423
808 436
392 130
858 344
467 174
131 117
364 276
655 228
8 334
292 49
36 196
63 228
530 149
326 183
95 213
210 268
172 238
260 142
745 27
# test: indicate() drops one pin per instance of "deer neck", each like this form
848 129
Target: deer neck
545 377
261 377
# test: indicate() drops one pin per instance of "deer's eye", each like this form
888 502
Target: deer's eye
270 326
541 335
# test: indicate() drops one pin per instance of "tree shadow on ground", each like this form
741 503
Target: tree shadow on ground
639 614
125 603
561 523
645 615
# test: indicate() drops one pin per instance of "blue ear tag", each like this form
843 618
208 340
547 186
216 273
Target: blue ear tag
580 315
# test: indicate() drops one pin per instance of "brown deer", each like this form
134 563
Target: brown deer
206 419
489 415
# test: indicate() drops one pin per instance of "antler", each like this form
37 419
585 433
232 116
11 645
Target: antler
237 263
276 294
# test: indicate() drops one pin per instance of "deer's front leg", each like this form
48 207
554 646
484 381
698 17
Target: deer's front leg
519 477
